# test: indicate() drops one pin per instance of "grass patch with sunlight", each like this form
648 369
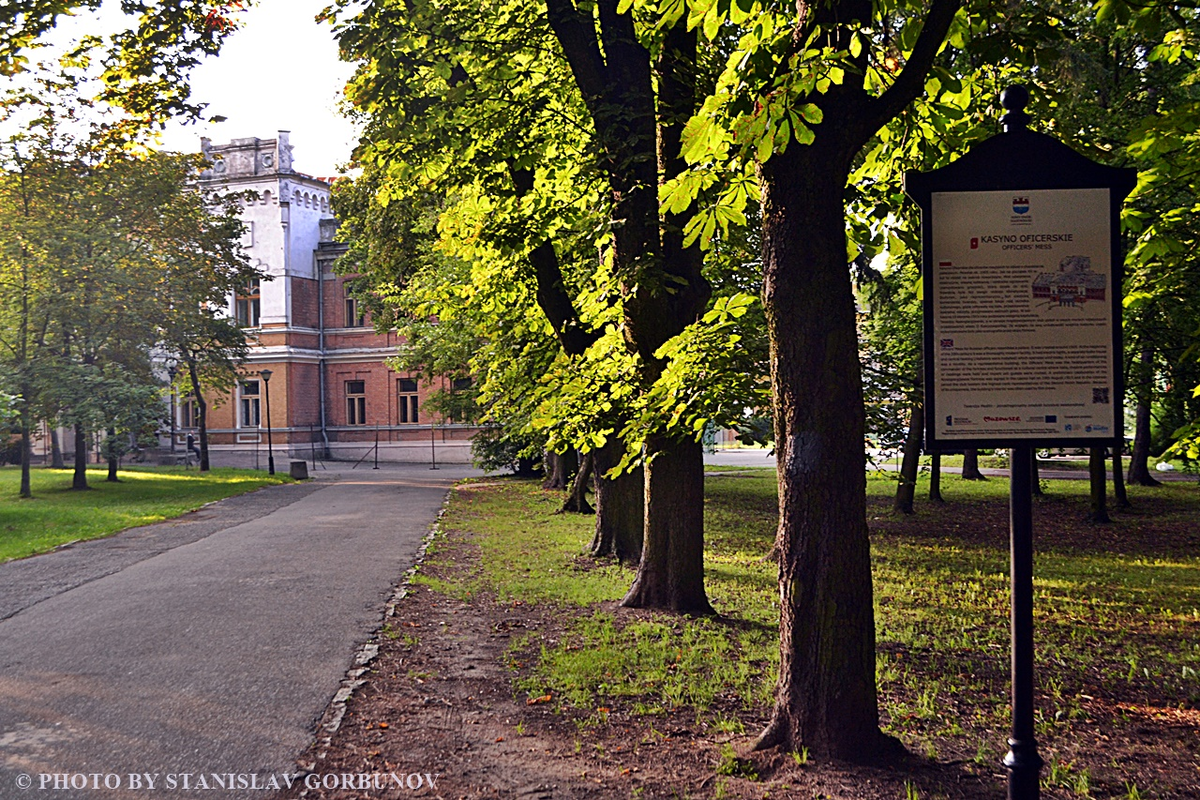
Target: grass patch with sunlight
57 515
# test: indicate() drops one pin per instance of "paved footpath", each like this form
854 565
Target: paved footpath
208 645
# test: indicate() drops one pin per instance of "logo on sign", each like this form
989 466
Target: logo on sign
974 242
947 342
1020 205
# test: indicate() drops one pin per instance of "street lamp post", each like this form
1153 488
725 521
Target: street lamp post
266 376
171 373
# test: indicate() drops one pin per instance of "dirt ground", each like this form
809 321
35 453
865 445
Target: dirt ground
438 702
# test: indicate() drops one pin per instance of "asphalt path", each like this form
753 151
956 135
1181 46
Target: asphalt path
208 646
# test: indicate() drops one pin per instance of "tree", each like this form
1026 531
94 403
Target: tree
826 698
142 69
479 129
199 263
970 467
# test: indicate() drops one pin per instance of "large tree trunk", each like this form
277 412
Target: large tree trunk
671 572
201 413
1139 459
935 479
970 467
56 456
79 479
1099 481
826 697
906 489
577 501
620 507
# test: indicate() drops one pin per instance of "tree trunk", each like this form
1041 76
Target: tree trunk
1119 493
620 507
201 413
56 456
1139 459
671 572
970 467
577 501
935 479
906 489
826 698
113 462
26 457
1034 476
560 468
1099 481
79 479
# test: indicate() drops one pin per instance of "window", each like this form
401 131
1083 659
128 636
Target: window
406 392
189 413
460 385
247 304
356 403
249 405
354 316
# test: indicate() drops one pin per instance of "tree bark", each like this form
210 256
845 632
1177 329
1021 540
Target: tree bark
826 698
79 479
26 457
1139 459
560 468
112 458
970 468
935 479
1119 493
671 572
1099 481
620 507
56 456
1034 475
906 489
577 501
201 412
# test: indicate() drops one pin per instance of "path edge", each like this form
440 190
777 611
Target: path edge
331 720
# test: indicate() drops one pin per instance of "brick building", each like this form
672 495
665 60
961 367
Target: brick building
330 389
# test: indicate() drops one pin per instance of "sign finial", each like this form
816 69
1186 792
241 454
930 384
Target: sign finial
1014 98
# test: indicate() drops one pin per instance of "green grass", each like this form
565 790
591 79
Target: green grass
56 515
1117 612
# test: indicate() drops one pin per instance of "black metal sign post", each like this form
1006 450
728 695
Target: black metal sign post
1021 272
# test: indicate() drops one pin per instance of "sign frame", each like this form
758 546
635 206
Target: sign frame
1020 162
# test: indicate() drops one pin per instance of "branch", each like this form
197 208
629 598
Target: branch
576 33
552 295
911 80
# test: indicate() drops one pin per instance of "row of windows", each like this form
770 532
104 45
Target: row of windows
250 407
247 306
408 407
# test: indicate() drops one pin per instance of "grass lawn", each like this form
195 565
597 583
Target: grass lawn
1117 629
56 514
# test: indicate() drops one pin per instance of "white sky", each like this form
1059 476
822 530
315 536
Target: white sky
280 71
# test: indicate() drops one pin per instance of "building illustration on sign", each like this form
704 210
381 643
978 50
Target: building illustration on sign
1073 284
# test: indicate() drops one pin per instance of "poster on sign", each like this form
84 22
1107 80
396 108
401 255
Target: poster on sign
1022 315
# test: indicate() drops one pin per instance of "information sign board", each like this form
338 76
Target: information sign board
1022 315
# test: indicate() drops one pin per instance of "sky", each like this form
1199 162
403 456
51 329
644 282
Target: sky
280 71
